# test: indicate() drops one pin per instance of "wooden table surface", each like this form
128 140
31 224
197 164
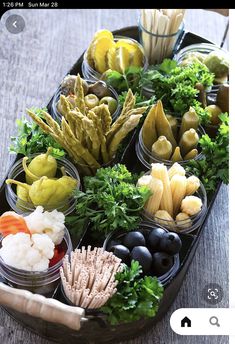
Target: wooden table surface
32 65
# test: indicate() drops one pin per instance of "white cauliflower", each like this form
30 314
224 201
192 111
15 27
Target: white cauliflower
50 223
25 252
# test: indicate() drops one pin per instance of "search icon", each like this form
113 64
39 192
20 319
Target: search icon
214 321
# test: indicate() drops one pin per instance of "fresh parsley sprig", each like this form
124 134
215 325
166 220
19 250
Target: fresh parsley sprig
136 298
31 139
111 200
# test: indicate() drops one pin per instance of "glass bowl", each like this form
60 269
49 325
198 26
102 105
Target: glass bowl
21 206
57 115
204 48
39 282
183 225
146 158
91 74
145 227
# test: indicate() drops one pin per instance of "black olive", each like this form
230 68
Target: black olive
121 252
133 239
155 237
162 263
143 256
171 243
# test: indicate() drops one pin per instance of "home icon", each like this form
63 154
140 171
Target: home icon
186 322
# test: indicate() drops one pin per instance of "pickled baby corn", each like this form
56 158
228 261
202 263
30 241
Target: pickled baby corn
191 205
164 219
153 204
176 169
159 171
144 180
183 221
193 184
178 190
162 148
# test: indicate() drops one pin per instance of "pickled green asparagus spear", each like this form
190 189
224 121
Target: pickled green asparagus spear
129 125
79 93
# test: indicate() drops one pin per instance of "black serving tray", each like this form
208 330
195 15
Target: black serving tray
95 330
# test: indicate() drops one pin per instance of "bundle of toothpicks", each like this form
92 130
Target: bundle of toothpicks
156 23
88 278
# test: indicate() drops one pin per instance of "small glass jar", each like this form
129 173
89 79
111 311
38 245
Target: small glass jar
39 282
146 158
203 48
145 227
156 46
21 206
91 74
183 226
57 115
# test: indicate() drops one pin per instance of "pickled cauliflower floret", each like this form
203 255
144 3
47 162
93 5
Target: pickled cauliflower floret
50 223
191 205
25 252
217 63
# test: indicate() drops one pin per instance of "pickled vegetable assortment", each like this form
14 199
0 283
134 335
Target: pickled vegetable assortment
105 52
129 213
168 139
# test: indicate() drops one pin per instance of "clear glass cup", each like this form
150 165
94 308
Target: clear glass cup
183 226
57 115
146 158
156 46
145 227
39 282
91 74
21 206
203 48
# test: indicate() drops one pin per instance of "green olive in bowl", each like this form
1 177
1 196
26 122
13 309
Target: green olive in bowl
91 100
111 102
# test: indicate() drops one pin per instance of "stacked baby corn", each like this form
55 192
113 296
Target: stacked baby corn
88 135
89 278
172 202
164 140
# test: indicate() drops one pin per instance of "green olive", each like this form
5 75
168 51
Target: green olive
214 112
91 100
111 102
